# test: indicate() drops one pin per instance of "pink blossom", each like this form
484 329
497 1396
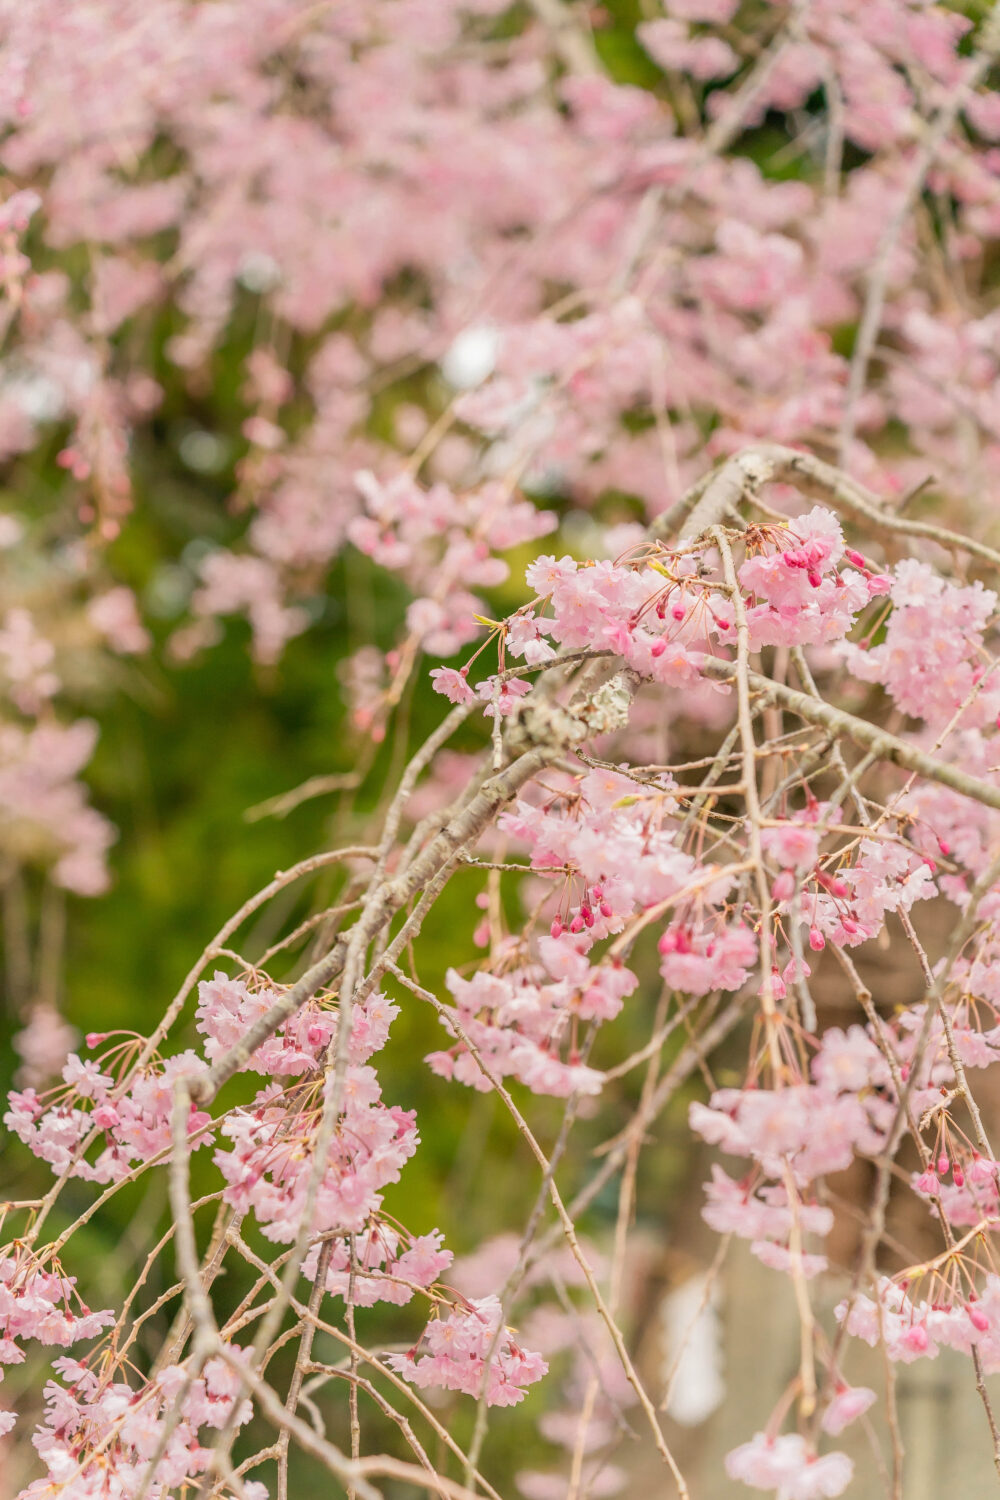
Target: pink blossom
785 1464
849 1403
456 1350
793 845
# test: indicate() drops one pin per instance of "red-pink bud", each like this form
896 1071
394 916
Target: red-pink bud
556 930
817 941
854 557
978 1318
607 910
942 1165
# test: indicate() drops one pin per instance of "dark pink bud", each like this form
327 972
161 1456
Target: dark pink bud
854 557
817 941
607 910
944 847
958 1177
678 613
814 578
577 924
658 647
942 1165
978 1319
95 1038
556 930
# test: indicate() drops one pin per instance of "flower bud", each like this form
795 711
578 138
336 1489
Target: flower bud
977 1318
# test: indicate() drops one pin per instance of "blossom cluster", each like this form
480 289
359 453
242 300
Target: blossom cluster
104 1437
492 288
469 1347
59 1125
41 1304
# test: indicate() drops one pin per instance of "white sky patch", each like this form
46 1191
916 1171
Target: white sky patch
472 357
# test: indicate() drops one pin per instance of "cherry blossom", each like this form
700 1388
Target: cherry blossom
501 300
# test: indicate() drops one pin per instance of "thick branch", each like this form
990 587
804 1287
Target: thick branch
882 744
